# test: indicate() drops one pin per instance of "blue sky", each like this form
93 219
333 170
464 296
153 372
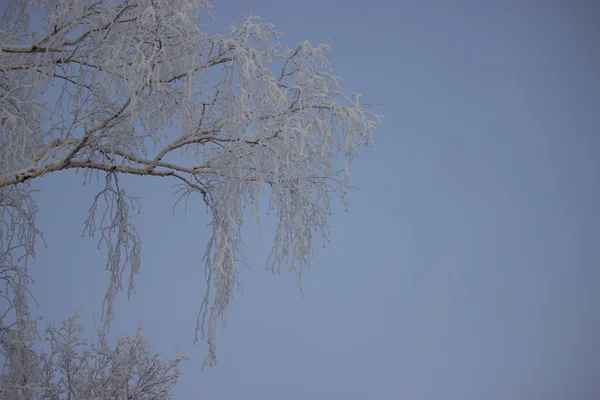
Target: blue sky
469 264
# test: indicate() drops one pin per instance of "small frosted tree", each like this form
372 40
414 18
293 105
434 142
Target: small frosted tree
138 87
74 368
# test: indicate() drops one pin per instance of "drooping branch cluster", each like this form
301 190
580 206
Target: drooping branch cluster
139 88
18 332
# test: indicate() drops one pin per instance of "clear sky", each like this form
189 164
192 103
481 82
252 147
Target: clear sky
469 264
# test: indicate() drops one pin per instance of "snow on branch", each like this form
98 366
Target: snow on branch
144 90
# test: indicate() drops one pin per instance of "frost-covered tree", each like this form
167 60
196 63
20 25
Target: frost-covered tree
138 87
74 368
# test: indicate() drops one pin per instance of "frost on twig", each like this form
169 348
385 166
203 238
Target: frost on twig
18 331
118 235
74 368
144 90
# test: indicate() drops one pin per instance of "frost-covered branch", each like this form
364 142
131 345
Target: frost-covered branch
73 368
144 90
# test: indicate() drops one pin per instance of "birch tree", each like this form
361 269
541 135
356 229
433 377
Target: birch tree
140 87
76 369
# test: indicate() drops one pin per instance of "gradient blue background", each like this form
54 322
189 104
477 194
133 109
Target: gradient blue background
469 265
